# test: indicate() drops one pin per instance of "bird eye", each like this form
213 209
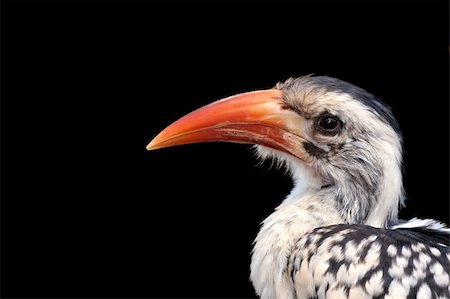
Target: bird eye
329 125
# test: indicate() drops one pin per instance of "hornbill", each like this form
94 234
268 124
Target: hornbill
337 234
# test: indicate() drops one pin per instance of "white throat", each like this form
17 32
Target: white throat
298 214
277 238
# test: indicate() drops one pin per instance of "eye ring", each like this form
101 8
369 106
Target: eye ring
329 125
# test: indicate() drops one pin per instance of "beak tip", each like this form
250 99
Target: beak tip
151 146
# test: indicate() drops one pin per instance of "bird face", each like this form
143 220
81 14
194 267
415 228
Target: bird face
323 122
267 118
334 138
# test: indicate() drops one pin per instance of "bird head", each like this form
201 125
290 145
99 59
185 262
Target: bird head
337 140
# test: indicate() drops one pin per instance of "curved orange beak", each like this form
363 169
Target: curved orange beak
258 117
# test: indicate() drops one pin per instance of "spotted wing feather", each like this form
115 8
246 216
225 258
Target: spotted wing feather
359 261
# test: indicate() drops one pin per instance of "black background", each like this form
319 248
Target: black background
88 212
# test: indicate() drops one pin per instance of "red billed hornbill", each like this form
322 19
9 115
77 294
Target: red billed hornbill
337 234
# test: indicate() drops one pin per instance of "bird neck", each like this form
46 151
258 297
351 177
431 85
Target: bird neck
390 193
366 190
277 237
369 192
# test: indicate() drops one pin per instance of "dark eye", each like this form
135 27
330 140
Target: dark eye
329 125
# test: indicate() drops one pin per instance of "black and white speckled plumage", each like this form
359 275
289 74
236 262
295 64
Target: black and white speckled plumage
360 261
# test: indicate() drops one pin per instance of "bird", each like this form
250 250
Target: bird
337 234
